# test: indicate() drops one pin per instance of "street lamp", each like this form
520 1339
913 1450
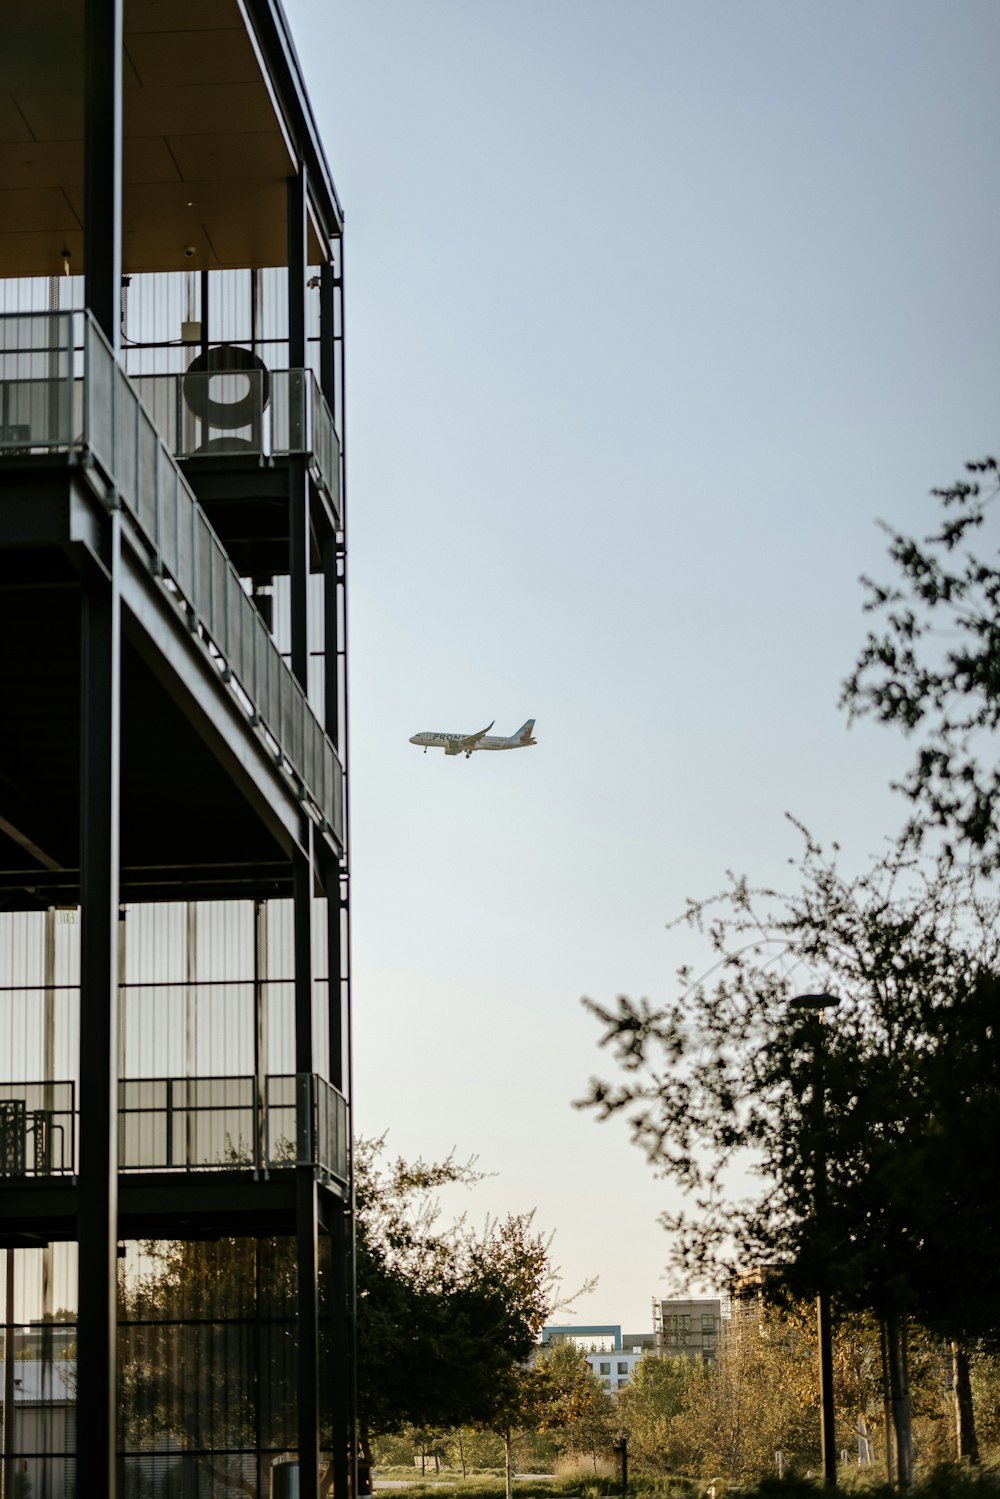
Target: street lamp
817 1005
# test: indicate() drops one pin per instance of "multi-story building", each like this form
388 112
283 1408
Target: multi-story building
686 1328
593 1337
174 981
614 1370
611 1355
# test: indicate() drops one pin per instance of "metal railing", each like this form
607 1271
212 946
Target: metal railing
184 1124
257 412
306 1123
37 1129
61 390
187 1123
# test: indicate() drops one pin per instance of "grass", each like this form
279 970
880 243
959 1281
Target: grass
949 1482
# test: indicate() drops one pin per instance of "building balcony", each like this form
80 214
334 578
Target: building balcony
235 416
68 408
182 1124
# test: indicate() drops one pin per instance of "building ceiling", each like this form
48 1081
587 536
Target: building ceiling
205 153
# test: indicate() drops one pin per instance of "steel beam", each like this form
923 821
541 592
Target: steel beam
157 630
97 1203
102 164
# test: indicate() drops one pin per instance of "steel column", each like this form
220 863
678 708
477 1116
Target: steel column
306 1214
297 266
100 740
335 955
102 164
298 567
340 1348
827 1416
327 335
298 478
302 896
331 638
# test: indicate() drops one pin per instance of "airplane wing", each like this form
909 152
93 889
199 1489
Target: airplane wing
472 740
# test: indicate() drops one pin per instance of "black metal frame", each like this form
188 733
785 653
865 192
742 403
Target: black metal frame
118 602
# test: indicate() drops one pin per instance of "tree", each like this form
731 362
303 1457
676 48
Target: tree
754 1399
556 1392
444 1314
648 1404
933 668
887 1107
577 1408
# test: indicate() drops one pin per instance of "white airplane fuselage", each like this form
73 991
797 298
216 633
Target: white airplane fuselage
468 744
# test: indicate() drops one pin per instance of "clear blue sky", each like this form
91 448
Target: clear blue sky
653 309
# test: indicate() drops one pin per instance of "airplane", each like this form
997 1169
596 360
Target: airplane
465 744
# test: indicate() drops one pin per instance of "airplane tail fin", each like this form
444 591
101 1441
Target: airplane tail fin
525 732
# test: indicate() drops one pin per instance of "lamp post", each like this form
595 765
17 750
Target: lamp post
816 1005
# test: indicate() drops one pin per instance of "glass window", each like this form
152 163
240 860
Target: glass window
606 1383
623 1368
606 1368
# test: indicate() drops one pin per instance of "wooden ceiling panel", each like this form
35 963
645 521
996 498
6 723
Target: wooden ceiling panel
162 249
39 208
205 154
37 254
42 45
13 125
53 116
181 15
164 59
227 158
197 109
41 164
147 159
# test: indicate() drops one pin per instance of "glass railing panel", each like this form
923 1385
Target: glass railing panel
126 442
280 1124
99 397
306 1124
36 382
146 462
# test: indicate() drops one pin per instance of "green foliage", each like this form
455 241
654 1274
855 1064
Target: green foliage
575 1406
647 1406
933 668
445 1315
865 1134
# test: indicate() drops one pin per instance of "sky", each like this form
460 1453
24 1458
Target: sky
653 310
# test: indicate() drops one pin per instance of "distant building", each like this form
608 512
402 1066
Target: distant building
639 1342
611 1355
615 1369
597 1337
686 1328
756 1301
